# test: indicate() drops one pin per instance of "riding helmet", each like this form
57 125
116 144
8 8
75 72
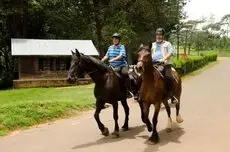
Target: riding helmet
160 31
116 35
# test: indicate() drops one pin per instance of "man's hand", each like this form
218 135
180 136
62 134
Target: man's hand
162 60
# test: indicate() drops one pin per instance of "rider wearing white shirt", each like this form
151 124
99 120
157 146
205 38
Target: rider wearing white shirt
162 51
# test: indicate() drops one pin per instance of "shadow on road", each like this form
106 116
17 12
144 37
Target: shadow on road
165 138
131 134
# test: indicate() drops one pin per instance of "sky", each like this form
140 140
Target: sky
197 8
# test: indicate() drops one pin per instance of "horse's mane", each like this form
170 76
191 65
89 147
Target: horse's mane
94 61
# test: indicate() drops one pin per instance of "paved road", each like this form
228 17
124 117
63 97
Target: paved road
205 107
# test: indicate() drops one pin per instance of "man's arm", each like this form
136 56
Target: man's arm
119 57
170 52
105 58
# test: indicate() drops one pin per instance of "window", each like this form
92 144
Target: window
58 64
40 64
52 64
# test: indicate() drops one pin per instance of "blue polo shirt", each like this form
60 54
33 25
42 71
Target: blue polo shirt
157 54
114 51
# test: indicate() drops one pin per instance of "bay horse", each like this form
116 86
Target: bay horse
109 88
152 91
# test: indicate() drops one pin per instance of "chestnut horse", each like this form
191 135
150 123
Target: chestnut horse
153 91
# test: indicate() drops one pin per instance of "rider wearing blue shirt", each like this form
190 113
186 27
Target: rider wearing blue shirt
116 55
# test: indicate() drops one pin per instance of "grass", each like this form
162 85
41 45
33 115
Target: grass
224 53
27 107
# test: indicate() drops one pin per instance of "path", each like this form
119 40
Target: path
205 107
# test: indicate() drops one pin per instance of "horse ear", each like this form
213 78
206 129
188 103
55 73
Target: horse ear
72 52
141 45
77 53
150 45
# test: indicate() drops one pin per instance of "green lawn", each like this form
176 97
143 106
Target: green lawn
22 108
224 53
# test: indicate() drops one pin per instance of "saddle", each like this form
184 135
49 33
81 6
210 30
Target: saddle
131 73
160 68
132 83
117 72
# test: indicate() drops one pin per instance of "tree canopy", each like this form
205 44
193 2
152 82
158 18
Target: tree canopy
97 20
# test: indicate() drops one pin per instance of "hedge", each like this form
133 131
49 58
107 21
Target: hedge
193 63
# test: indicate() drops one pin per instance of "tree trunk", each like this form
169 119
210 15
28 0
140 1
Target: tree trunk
98 25
99 38
189 48
178 45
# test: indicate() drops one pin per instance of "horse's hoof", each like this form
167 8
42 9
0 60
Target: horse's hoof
151 141
124 128
150 129
105 132
179 119
168 130
116 134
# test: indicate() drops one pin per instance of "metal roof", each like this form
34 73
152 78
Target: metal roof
42 47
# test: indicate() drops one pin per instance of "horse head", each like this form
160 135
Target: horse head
144 58
75 66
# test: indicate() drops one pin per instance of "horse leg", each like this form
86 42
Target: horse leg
155 137
142 112
115 117
146 116
99 107
126 109
179 118
169 125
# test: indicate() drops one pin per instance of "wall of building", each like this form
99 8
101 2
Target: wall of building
32 67
38 83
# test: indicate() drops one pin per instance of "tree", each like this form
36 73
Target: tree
85 19
225 20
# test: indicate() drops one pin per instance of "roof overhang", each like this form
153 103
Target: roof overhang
44 47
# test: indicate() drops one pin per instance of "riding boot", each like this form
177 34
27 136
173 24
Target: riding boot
168 86
168 79
127 85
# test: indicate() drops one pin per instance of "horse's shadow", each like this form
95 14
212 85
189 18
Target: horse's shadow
131 134
165 138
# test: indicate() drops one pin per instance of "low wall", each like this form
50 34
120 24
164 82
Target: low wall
36 83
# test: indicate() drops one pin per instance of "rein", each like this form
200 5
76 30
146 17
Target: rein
92 72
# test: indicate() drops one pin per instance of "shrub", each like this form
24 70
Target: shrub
5 80
193 63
